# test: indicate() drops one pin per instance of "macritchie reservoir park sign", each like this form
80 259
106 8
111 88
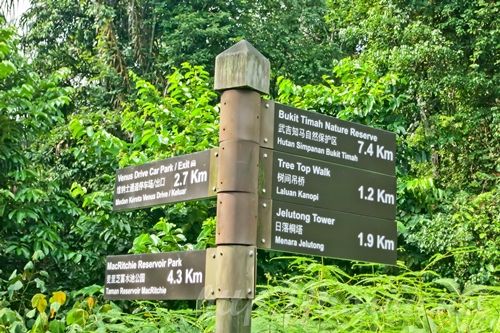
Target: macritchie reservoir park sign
172 275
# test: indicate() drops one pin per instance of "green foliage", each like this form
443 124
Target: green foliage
101 90
318 297
56 198
51 315
476 225
182 121
324 298
33 208
411 71
150 126
11 320
206 237
100 41
450 112
354 91
166 239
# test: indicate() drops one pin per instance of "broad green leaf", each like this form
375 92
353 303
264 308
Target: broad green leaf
17 327
40 284
41 323
450 284
14 287
8 316
76 128
31 313
57 326
90 131
77 190
29 266
7 193
4 49
37 255
13 274
6 68
77 316
88 291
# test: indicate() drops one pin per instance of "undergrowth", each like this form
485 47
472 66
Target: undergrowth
315 298
323 298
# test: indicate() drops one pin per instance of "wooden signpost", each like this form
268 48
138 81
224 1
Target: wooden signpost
285 179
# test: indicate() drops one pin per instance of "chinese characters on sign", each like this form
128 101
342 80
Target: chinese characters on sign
175 179
172 275
326 138
316 183
323 232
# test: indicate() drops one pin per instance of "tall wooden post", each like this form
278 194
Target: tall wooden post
242 75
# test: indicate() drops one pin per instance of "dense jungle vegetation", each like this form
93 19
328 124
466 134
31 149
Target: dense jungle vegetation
89 86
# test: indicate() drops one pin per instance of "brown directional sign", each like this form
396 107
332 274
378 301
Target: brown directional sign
311 182
180 178
156 276
284 226
318 136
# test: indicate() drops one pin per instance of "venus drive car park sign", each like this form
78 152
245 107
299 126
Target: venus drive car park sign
327 186
180 178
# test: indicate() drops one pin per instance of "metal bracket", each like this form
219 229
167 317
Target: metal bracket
267 124
265 173
264 224
237 284
236 218
214 167
239 119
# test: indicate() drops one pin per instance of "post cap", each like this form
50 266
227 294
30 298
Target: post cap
242 66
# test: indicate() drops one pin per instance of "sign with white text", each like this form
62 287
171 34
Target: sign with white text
156 276
323 232
314 135
180 178
316 183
